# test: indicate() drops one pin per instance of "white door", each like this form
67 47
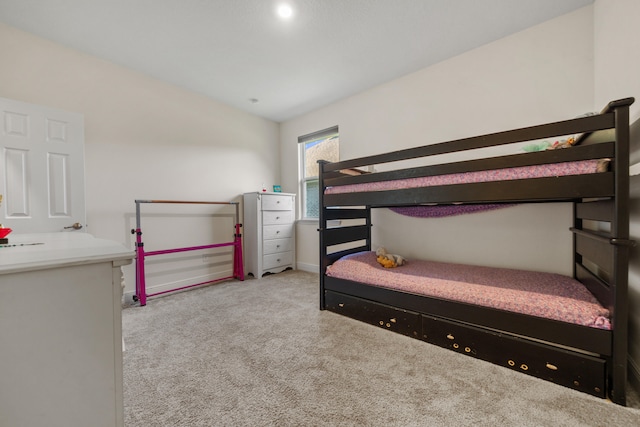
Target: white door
41 168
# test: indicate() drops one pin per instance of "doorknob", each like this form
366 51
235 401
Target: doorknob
76 226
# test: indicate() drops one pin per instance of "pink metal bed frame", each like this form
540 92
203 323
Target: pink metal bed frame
238 271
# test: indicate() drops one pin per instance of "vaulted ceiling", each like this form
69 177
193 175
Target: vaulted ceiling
241 53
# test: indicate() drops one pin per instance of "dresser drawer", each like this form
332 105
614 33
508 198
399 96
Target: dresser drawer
277 231
277 217
277 245
277 203
277 260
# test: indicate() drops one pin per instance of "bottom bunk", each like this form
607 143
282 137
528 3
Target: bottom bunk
551 328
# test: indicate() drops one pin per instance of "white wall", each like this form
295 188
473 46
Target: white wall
617 71
145 140
541 74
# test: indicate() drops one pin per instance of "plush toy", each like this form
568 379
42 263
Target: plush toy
389 260
537 147
564 143
546 145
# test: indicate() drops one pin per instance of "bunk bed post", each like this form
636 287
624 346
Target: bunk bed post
621 243
322 225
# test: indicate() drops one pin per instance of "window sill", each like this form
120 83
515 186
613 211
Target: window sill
308 221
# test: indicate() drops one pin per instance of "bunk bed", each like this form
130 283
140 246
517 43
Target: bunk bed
586 354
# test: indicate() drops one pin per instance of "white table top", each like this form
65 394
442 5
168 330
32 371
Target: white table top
46 250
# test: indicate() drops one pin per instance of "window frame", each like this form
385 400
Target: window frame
303 179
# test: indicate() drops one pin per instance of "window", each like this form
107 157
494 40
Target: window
322 145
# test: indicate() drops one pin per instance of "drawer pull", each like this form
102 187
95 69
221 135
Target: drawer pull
552 367
277 231
277 246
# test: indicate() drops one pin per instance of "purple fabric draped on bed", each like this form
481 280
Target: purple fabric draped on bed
441 211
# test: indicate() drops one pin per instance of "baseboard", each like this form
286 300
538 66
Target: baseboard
310 268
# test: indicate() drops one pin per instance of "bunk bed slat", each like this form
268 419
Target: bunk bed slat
601 210
595 250
336 236
333 214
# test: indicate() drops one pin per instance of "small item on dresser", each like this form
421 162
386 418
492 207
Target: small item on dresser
4 232
388 260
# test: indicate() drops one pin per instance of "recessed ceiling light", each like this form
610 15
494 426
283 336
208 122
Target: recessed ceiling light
285 11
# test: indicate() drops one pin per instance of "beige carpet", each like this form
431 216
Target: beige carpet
260 353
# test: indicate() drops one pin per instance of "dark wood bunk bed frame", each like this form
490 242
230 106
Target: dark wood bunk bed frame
580 357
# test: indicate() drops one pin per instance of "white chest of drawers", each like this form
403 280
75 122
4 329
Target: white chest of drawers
269 232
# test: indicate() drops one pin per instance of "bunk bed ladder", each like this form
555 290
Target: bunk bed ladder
602 257
340 232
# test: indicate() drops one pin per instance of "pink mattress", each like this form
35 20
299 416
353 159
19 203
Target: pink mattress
547 295
525 172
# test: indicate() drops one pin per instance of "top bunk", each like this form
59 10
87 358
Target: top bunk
594 164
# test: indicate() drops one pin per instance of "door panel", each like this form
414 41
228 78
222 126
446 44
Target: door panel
41 168
16 188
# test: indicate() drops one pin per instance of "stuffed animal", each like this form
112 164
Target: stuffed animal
546 145
564 143
388 260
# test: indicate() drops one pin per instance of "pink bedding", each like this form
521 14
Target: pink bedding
547 295
524 172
